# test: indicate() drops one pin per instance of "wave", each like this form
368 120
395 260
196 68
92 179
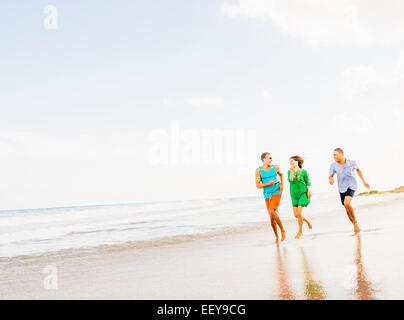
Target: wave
58 232
138 244
43 231
13 218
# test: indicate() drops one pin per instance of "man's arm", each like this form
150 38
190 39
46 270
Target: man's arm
258 182
331 179
331 176
280 177
360 174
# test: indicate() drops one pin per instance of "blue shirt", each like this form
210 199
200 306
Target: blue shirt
346 175
267 176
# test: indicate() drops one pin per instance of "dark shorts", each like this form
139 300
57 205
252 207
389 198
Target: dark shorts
348 193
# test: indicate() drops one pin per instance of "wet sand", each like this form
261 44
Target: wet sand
326 263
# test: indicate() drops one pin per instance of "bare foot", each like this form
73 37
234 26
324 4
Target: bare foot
283 235
309 225
277 241
298 235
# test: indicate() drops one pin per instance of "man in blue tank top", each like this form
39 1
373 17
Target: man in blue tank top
347 184
266 178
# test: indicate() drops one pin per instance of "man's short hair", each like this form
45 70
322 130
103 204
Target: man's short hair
264 155
339 150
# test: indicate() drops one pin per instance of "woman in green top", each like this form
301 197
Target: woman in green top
299 190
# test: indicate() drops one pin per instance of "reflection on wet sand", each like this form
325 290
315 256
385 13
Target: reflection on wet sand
285 289
364 289
313 290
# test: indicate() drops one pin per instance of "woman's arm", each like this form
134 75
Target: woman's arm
308 183
290 175
306 178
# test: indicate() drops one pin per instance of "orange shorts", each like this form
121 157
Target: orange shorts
273 202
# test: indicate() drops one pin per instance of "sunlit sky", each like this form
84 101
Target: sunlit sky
80 105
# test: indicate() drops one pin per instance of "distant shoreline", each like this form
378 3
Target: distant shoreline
372 192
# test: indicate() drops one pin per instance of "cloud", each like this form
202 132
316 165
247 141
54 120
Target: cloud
400 64
196 102
80 147
365 83
267 95
362 81
328 22
205 102
373 103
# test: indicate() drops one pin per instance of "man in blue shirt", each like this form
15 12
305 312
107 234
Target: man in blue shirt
347 184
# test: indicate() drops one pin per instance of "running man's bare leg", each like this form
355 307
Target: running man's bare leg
279 222
348 213
351 213
274 216
274 224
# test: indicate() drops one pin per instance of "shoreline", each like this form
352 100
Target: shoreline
178 239
246 265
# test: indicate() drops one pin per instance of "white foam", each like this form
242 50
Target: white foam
37 231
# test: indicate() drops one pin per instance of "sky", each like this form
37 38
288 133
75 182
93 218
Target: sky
131 101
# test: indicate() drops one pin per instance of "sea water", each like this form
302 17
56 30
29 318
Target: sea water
33 232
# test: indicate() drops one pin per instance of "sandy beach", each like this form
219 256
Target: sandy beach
328 262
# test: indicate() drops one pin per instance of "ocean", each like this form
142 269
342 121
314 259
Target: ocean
34 232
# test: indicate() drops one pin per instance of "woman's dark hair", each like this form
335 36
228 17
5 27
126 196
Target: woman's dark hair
299 159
